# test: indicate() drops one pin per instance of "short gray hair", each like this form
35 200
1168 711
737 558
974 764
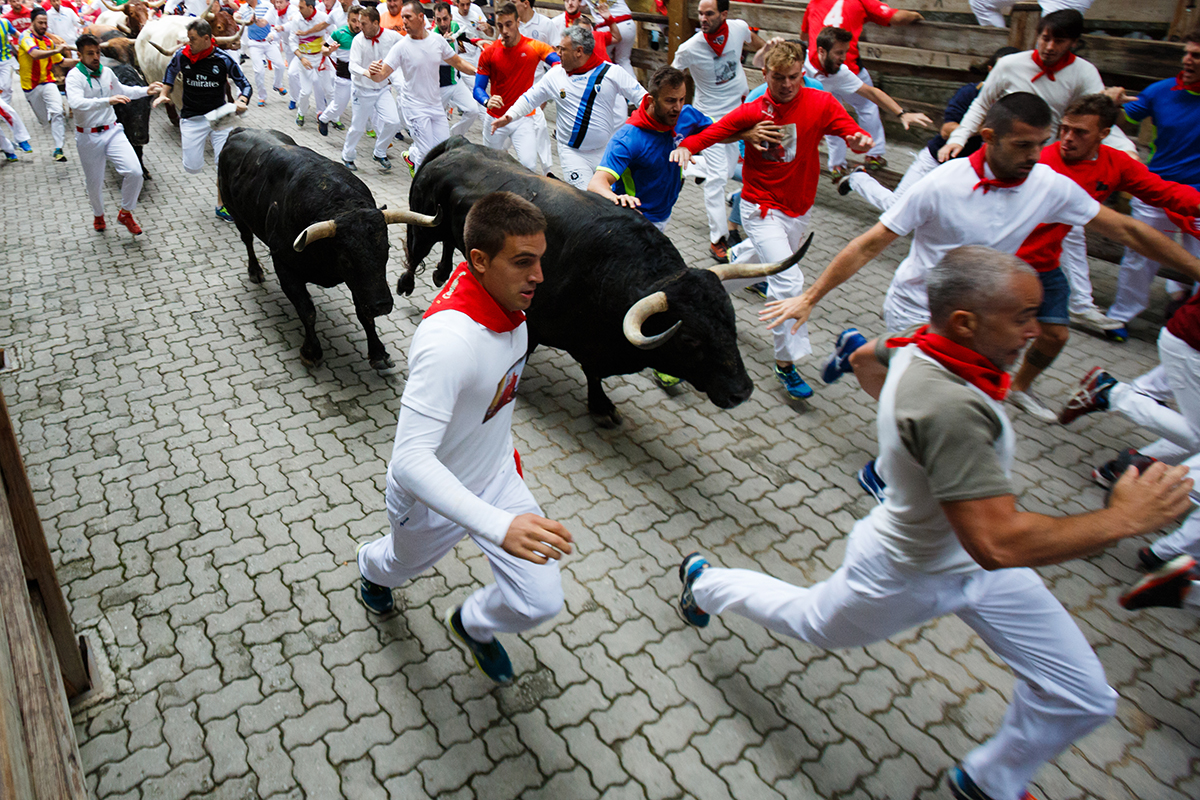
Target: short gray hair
973 278
581 37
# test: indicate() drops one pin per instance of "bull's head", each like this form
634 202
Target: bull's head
701 345
226 31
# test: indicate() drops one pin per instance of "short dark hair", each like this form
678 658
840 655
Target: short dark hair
507 10
1098 105
664 78
999 54
370 12
354 9
1192 38
1065 24
497 216
442 5
1024 107
37 11
722 6
829 36
86 40
200 27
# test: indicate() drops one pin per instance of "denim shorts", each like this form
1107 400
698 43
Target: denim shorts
1056 293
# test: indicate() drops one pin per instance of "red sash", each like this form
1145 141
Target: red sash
194 57
717 40
1180 86
962 361
642 118
978 159
1059 65
463 292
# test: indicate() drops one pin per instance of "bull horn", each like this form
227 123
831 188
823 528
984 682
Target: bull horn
159 48
121 27
637 315
227 41
318 230
159 4
727 272
110 6
412 218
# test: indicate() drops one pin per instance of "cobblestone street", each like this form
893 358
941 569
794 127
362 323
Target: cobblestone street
203 493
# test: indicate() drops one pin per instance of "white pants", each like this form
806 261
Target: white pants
1060 693
193 133
258 52
365 105
868 120
1137 271
720 161
428 126
339 99
622 50
457 97
312 82
578 165
8 68
524 594
775 237
17 129
47 105
523 135
991 12
879 196
95 150
543 140
1074 263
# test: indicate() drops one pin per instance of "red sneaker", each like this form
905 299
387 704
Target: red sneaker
98 223
126 219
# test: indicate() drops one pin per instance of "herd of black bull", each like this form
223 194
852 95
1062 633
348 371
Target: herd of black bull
616 294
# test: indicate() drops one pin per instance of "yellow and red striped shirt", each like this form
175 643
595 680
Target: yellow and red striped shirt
36 71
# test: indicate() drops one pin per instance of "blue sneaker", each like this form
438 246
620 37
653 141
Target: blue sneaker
223 214
963 788
375 597
291 105
10 156
869 479
384 162
490 657
838 364
1092 395
791 380
759 289
282 92
1119 335
26 146
689 570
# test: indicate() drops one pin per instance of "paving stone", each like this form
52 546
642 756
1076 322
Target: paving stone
270 763
227 748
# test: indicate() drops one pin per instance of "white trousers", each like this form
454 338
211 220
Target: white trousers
1060 693
97 149
17 129
868 119
366 105
878 195
578 166
457 97
258 52
1137 271
193 133
524 594
523 135
428 126
47 105
622 51
775 237
339 99
8 68
990 13
316 84
720 161
542 131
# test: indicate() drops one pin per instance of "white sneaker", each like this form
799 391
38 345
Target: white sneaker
1031 405
1094 320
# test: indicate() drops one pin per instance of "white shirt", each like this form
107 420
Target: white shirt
420 60
363 52
558 26
720 82
469 23
579 106
943 211
538 28
336 17
463 377
89 100
308 44
841 82
64 24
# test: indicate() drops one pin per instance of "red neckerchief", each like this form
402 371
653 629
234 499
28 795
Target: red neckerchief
1185 224
978 159
1180 86
194 57
463 292
717 40
375 41
1059 65
310 16
642 118
572 17
591 64
962 361
812 59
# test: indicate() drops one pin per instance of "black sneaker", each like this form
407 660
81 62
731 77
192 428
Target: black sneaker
322 127
384 162
490 657
375 597
1164 588
1110 472
1148 561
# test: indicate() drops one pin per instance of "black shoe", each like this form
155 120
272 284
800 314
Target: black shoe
322 127
1110 472
1148 561
490 657
1163 588
733 238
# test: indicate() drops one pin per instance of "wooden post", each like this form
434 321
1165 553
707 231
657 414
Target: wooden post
1184 20
1022 25
677 26
36 560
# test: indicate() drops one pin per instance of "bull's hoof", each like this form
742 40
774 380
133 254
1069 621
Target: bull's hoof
608 420
406 284
310 361
256 275
383 364
440 276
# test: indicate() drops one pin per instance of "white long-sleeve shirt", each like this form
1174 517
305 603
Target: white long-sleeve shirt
585 118
363 51
89 99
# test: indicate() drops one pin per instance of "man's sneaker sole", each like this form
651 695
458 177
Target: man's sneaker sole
1170 583
501 672
869 480
689 570
963 788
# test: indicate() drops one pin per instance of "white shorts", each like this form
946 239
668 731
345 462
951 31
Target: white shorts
194 132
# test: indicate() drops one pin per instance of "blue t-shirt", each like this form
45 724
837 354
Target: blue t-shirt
259 33
637 158
1176 116
956 109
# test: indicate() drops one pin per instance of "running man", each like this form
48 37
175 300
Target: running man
37 54
307 29
949 538
9 39
454 472
368 99
456 96
343 37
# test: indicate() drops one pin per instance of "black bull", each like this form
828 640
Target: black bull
600 261
134 116
320 223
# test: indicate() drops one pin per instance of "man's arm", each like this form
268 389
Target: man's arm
904 17
845 264
480 93
461 64
1142 239
989 93
998 536
542 91
760 56
729 127
75 94
601 183
168 81
885 101
243 85
33 52
1139 181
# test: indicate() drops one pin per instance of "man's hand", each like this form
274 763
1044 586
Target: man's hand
764 134
909 117
860 142
1117 95
537 539
500 122
242 103
154 88
495 101
1154 498
627 200
118 100
777 311
948 151
158 101
681 156
304 62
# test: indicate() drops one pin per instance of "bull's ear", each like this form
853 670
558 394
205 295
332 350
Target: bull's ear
383 207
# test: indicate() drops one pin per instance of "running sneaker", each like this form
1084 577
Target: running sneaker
663 380
733 238
370 134
1031 404
836 174
838 363
1093 319
10 157
1119 335
58 155
399 137
759 289
26 146
874 163
1166 587
350 166
375 597
1110 472
99 224
963 788
384 163
1148 560
126 219
223 214
322 127
1092 395
793 383
490 657
868 479
689 570
337 126
407 159
291 105
844 187
299 120
262 103
282 92
720 250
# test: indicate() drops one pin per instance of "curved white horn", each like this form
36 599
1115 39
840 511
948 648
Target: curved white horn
318 230
637 315
728 272
399 215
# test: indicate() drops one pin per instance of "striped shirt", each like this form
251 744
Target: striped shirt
8 40
584 102
36 71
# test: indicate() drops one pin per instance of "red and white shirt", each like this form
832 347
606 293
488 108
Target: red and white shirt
848 15
720 80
